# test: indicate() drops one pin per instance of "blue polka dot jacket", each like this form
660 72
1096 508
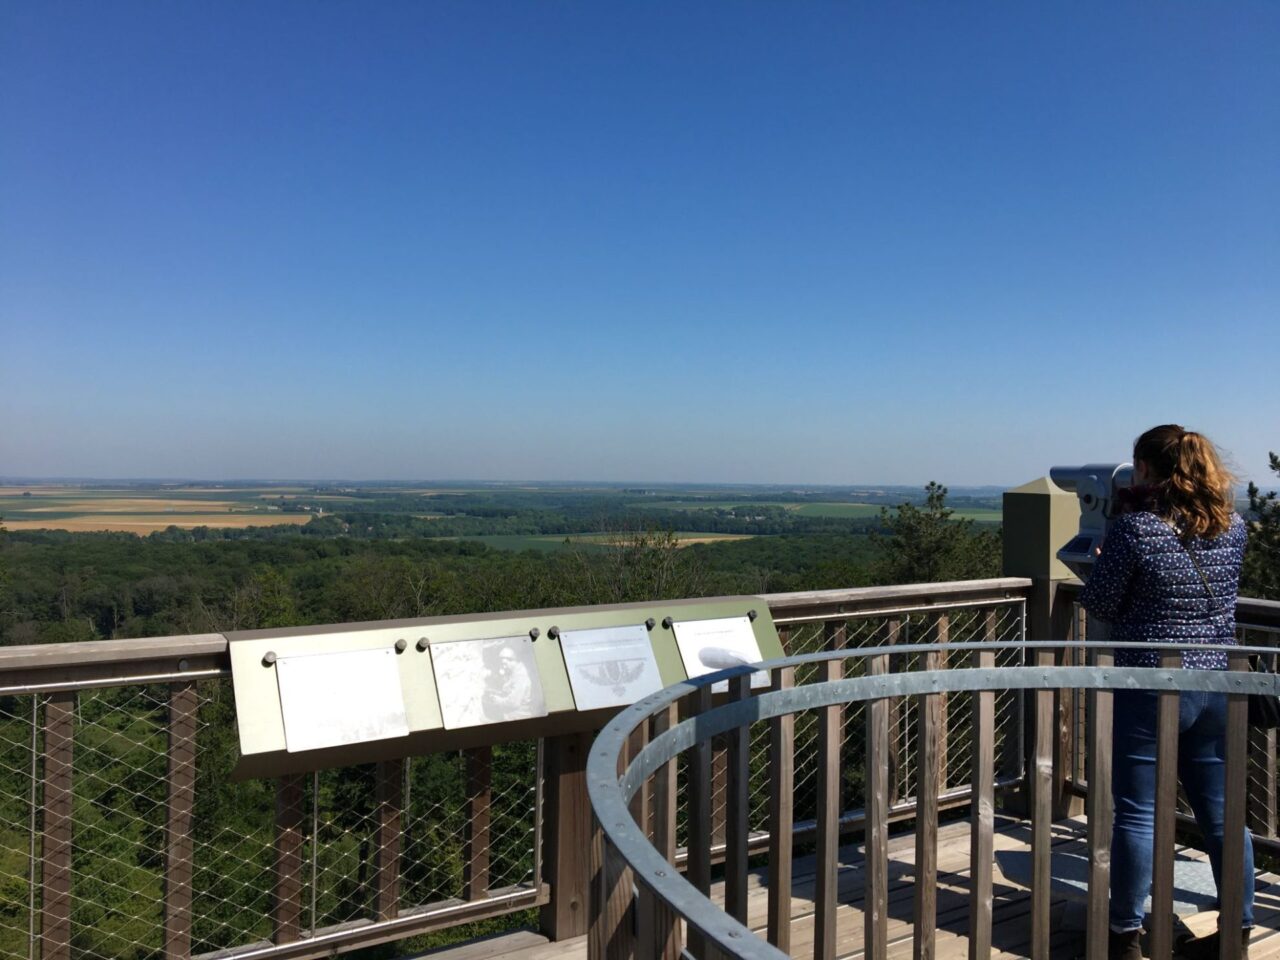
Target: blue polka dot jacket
1146 586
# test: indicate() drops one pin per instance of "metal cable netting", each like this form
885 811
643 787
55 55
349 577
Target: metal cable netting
996 623
120 806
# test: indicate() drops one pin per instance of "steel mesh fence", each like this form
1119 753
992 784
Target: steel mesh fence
120 805
996 623
19 744
1002 622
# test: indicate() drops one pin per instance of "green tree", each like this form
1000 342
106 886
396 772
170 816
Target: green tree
1261 574
923 544
6 581
273 600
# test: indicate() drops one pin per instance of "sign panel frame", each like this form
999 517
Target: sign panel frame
259 714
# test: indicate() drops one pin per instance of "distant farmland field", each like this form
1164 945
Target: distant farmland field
141 511
132 523
844 511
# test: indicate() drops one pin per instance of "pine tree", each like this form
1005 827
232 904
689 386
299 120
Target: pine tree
925 545
1261 575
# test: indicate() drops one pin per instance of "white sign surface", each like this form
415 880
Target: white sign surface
610 666
710 645
487 681
335 699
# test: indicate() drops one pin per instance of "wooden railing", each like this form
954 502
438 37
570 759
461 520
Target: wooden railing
633 762
114 753
110 753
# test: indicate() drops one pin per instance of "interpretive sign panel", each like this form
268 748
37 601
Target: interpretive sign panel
487 681
710 645
610 666
335 699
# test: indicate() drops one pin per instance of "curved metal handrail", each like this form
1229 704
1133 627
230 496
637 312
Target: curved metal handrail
611 794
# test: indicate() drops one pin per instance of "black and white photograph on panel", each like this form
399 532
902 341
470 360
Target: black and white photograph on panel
487 681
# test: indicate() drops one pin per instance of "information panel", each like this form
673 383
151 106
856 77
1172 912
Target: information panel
710 645
610 666
487 681
335 699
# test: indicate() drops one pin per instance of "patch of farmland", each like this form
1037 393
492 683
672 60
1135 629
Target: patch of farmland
149 523
690 505
517 542
304 496
138 505
980 515
857 511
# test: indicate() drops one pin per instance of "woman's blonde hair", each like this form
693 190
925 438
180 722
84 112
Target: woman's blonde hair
1190 480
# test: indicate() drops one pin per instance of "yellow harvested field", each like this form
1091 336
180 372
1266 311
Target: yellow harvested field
242 489
685 541
149 524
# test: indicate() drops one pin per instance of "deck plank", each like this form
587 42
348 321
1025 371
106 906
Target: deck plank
1011 926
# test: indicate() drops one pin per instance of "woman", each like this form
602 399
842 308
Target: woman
1169 571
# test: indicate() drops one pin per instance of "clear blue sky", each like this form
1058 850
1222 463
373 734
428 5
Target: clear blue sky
840 243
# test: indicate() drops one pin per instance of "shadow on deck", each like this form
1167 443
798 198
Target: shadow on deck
1011 929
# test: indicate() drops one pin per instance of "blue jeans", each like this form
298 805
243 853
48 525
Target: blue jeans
1202 725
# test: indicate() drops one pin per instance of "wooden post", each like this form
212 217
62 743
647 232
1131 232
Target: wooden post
942 634
893 717
566 865
659 930
736 809
475 838
1041 776
982 817
928 771
184 705
1166 812
639 805
828 849
835 634
639 810
612 923
782 775
1231 905
1065 802
1263 785
1099 777
55 861
286 914
876 894
390 799
698 865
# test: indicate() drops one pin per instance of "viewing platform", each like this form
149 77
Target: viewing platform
124 833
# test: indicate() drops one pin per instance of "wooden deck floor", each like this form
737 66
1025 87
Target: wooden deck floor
1010 935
